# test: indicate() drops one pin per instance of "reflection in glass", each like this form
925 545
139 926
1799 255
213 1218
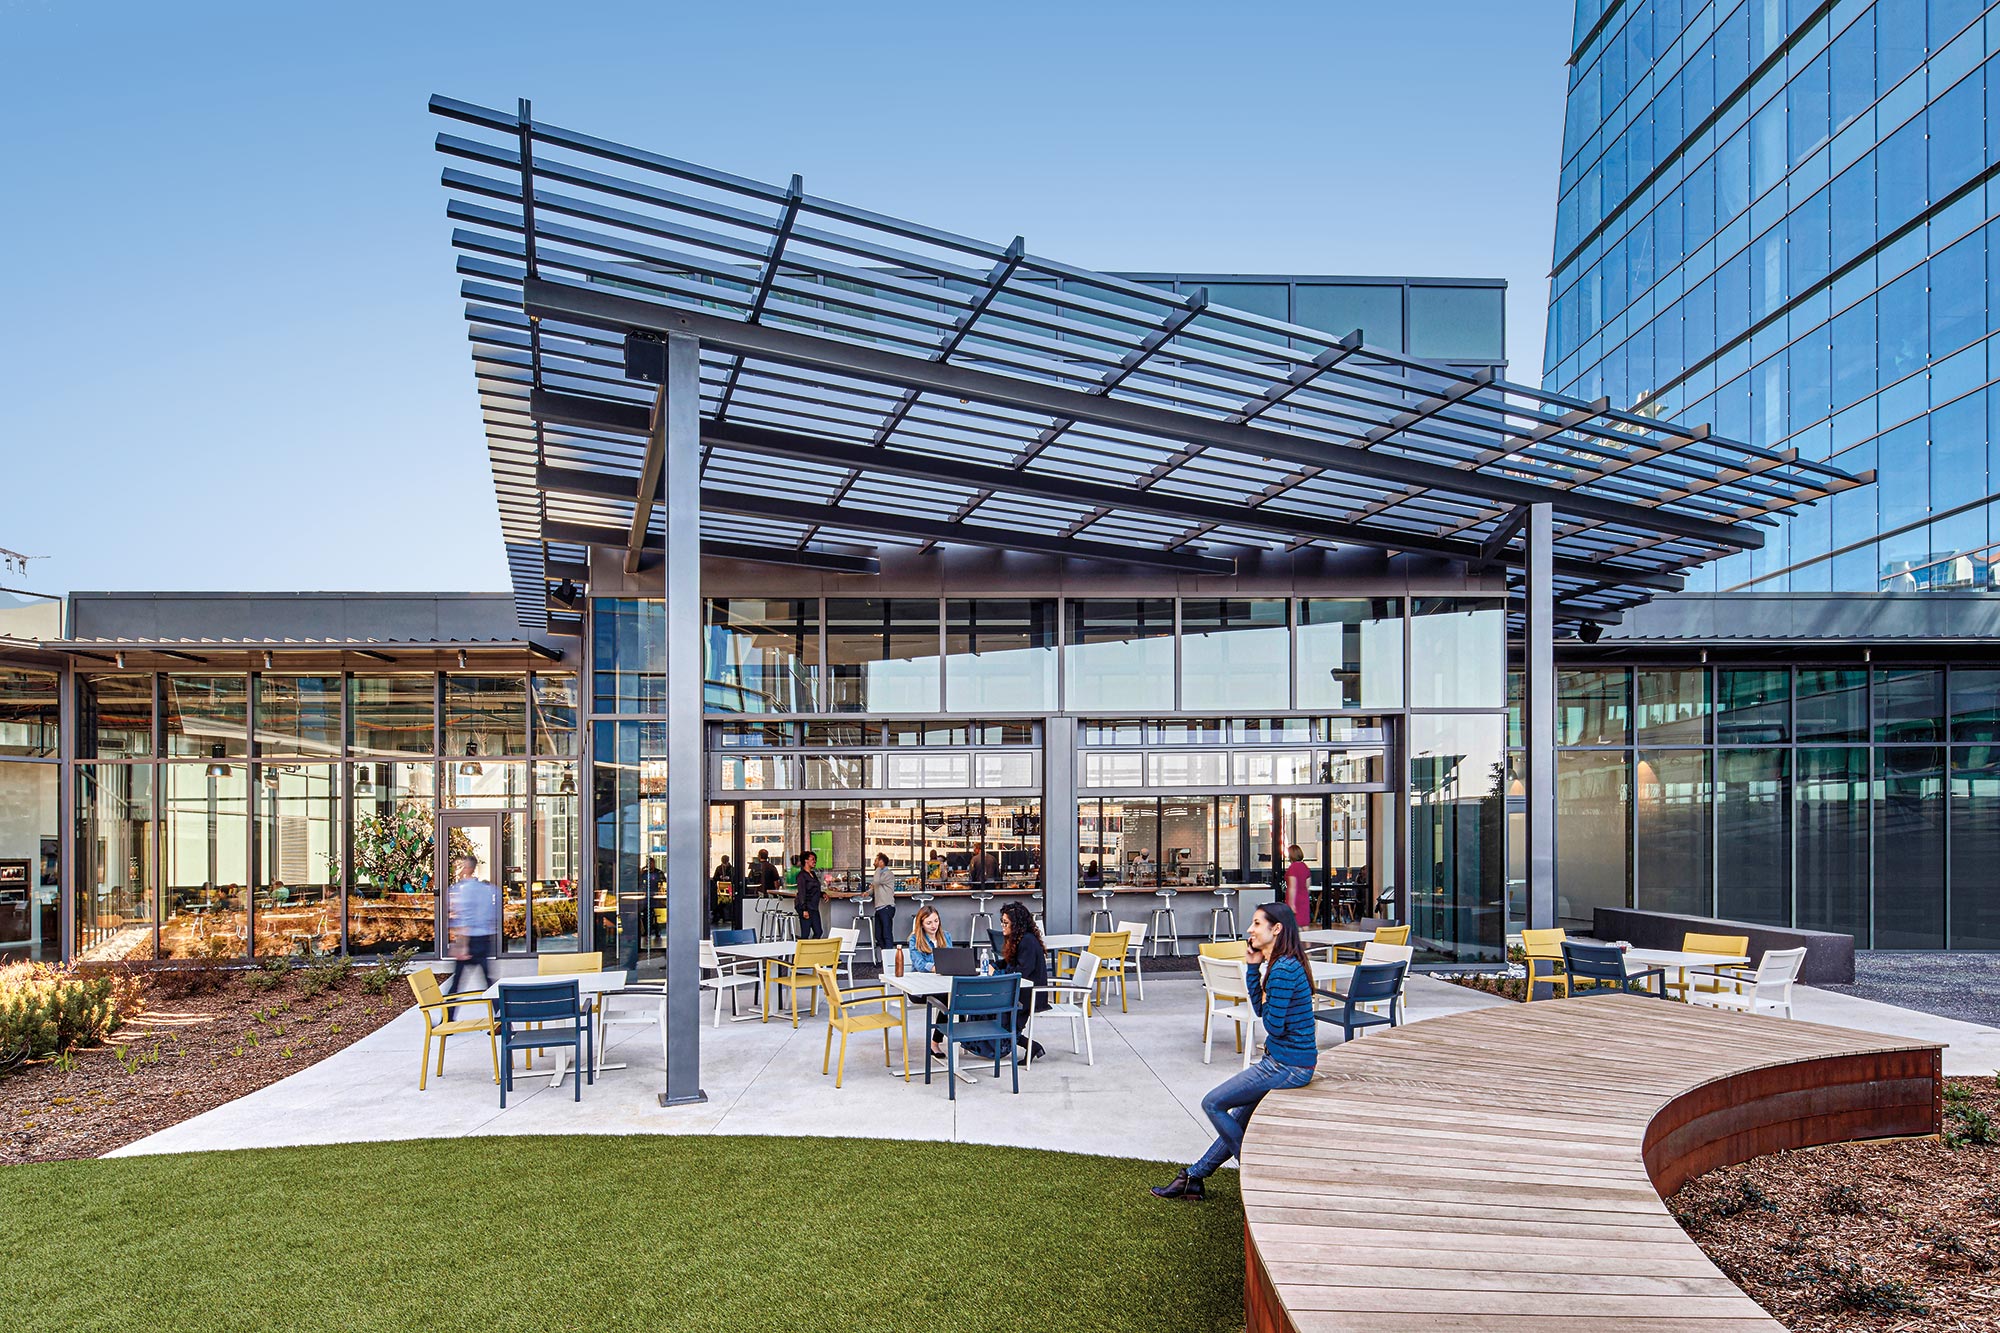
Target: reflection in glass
1909 848
1275 768
553 699
628 656
558 858
1120 654
1187 840
1458 889
1833 706
1458 653
1234 653
1187 768
1591 706
1975 847
113 868
628 819
392 715
28 712
296 897
1004 770
1673 706
1832 833
1350 653
205 908
208 716
1114 769
1753 836
1593 803
485 715
1000 656
1909 706
30 915
761 655
896 830
117 717
298 716
1751 707
882 655
391 902
927 770
1975 704
1671 827
764 772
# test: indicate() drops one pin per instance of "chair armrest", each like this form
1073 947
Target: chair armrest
463 997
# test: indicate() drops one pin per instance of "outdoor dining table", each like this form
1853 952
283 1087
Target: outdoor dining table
1641 960
1327 938
931 988
766 952
589 985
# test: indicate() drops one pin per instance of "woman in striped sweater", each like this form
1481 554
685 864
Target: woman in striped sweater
1281 992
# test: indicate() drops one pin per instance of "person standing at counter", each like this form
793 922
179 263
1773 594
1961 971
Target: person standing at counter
1298 883
1092 877
727 904
883 884
810 893
984 868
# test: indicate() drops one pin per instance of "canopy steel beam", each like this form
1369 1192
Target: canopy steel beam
833 562
602 308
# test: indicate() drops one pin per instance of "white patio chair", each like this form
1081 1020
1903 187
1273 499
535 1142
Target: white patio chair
720 976
1226 995
1134 947
1076 1007
638 1006
1770 990
850 944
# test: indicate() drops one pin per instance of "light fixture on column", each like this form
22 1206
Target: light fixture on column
216 769
566 593
267 659
461 659
1591 631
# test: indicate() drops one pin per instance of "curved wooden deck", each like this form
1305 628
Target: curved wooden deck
1503 1169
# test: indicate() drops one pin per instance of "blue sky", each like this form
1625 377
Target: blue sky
234 357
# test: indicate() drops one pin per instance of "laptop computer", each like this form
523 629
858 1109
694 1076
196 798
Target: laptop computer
956 961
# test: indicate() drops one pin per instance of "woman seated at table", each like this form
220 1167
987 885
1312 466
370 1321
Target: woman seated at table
1021 951
927 936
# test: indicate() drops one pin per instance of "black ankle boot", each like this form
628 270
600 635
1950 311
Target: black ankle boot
1184 1186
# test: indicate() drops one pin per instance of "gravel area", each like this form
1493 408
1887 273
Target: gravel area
1965 986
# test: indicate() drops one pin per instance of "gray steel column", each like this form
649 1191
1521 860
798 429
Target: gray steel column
687 797
1059 843
1539 721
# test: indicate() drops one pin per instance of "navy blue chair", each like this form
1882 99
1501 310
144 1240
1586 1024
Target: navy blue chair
1372 983
981 1009
1601 967
532 1015
998 942
723 938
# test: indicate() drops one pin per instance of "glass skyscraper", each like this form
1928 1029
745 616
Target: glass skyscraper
1776 216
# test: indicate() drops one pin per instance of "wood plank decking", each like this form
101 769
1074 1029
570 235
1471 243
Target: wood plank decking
1502 1169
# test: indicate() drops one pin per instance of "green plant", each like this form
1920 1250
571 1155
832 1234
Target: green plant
324 975
1967 1126
1844 1199
1854 1291
393 847
64 1062
378 979
46 1009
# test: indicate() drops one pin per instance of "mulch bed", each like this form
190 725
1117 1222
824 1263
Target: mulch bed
1883 1236
182 1056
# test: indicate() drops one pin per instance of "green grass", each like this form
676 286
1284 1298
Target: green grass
585 1232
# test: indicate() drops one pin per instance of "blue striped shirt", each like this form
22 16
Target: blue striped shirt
1286 1009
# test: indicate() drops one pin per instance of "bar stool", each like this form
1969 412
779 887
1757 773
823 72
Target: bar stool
1164 928
980 898
785 921
1103 897
864 927
1225 909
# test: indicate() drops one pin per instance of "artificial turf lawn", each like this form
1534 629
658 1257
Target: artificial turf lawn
617 1233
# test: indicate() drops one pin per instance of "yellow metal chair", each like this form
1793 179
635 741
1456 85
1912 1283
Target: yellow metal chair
1111 946
1229 951
1351 953
1724 978
799 973
1545 946
438 1022
842 1017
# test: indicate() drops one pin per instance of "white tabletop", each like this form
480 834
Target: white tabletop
924 985
587 983
1678 959
1336 936
767 949
1065 941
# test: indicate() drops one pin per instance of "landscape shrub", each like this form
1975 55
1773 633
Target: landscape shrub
46 1009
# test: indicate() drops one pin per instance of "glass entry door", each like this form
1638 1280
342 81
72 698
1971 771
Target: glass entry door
460 832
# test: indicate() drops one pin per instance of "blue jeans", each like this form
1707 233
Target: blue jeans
1229 1104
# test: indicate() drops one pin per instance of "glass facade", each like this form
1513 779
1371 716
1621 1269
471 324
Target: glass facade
1781 219
287 811
1858 800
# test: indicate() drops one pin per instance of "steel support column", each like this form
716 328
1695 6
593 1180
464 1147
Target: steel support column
1059 845
1539 723
687 797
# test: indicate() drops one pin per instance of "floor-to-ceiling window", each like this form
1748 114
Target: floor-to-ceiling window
29 832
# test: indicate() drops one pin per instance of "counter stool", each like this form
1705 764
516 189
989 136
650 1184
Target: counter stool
1164 929
980 899
785 920
1103 897
1224 910
864 926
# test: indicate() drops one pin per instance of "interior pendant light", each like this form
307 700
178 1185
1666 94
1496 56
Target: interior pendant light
217 770
470 768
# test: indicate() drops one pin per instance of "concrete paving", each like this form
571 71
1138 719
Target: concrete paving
1141 1099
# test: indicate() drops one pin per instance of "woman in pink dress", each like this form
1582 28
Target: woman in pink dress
1298 883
